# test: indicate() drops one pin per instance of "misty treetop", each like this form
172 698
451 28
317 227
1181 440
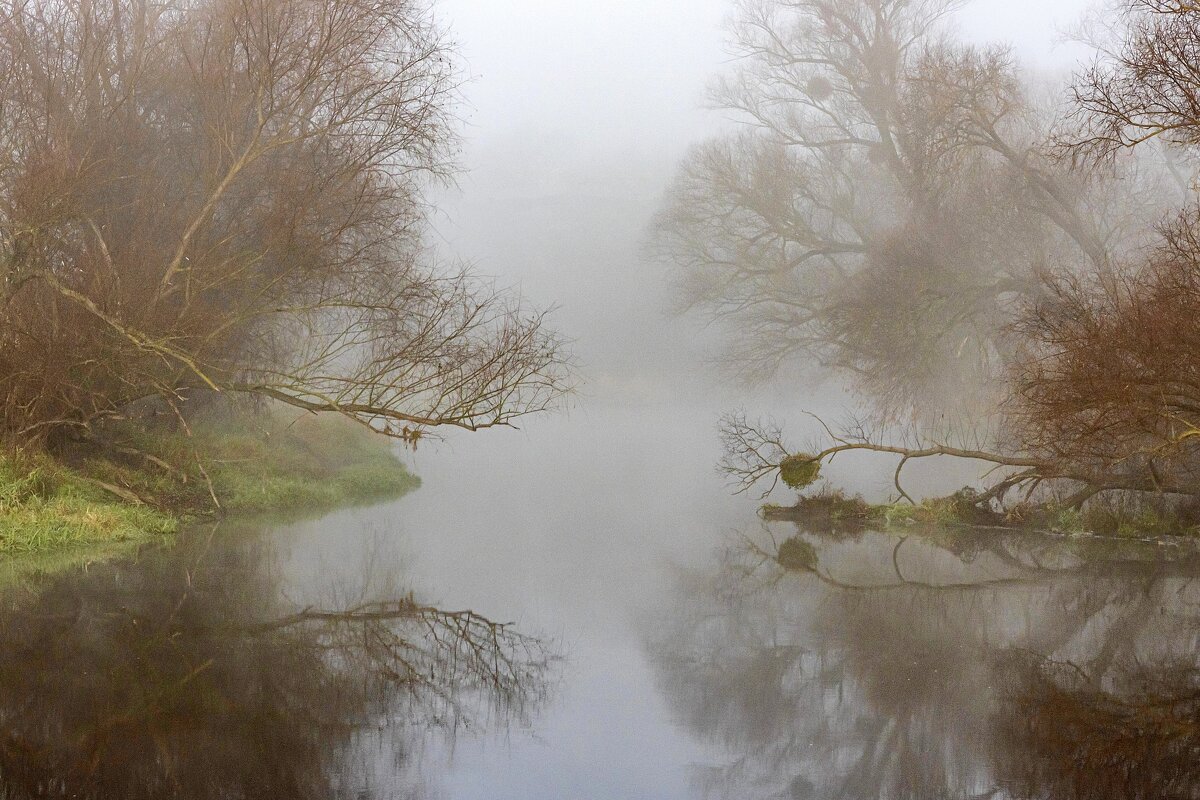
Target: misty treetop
982 256
887 200
226 195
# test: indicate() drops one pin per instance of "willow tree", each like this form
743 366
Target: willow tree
226 195
898 209
884 205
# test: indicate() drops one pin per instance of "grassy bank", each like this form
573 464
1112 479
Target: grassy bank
1117 516
45 506
156 478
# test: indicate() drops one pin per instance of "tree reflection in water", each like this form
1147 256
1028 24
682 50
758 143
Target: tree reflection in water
962 665
1134 734
184 673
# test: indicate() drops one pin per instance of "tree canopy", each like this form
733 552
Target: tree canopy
227 195
984 263
886 203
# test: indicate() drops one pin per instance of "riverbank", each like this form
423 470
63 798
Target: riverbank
156 478
1123 517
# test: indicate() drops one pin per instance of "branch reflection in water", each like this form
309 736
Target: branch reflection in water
185 672
953 664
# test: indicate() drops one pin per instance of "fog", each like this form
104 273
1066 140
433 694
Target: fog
575 118
947 545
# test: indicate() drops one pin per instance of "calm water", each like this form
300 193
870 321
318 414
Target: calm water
664 644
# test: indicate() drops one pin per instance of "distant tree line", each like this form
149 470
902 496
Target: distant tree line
985 260
226 196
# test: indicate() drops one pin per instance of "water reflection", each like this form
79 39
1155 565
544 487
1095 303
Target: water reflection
1133 734
974 664
186 673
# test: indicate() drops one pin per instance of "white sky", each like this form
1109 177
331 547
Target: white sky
623 68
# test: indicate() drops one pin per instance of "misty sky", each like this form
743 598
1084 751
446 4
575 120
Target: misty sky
606 72
577 113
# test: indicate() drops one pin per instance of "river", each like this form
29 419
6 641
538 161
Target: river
663 642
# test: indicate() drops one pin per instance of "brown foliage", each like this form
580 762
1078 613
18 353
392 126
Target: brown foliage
1108 375
1110 379
226 195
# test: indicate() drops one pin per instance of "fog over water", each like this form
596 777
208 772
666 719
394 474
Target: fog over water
575 117
694 649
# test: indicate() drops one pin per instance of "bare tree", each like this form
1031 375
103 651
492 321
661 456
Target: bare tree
756 451
897 209
886 205
1106 380
226 195
1144 87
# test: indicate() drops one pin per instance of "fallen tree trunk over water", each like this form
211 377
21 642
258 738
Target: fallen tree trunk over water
755 453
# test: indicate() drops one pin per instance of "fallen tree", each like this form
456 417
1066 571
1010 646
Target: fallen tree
755 453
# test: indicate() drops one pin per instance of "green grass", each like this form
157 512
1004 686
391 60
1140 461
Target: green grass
304 463
1122 516
268 463
833 507
44 506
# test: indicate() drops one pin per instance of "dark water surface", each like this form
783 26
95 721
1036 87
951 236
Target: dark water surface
664 644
